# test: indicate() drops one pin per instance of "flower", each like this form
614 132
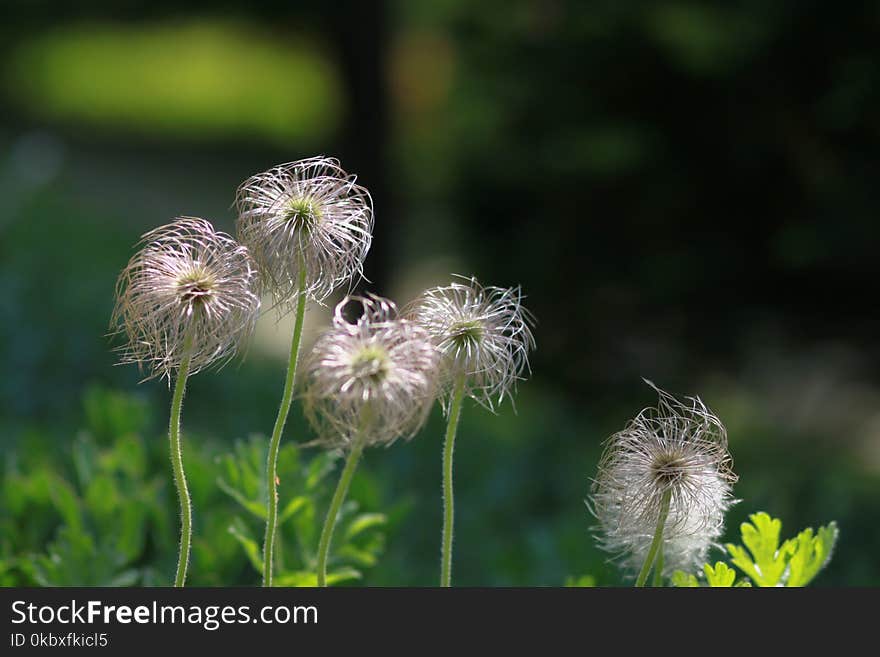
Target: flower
676 448
373 379
189 292
483 333
305 218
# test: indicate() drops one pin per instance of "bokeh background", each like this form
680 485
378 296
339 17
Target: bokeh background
687 192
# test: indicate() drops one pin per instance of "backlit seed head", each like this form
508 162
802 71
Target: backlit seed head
305 216
188 290
676 447
483 333
375 377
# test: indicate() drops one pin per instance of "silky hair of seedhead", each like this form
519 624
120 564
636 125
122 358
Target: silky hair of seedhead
188 291
676 447
483 333
307 215
373 378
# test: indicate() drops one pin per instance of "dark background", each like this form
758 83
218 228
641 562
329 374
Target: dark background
687 192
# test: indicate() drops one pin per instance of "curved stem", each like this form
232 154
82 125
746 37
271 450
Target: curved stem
177 463
275 441
448 501
658 539
338 497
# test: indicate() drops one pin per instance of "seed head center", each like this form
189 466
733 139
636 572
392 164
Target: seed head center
669 468
466 332
303 212
196 286
370 364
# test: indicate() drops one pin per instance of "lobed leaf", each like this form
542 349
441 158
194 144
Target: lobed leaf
683 580
811 554
719 576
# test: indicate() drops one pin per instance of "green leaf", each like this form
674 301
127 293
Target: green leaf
811 554
768 561
307 578
252 506
241 533
364 558
77 558
293 507
364 522
794 563
66 502
683 580
719 576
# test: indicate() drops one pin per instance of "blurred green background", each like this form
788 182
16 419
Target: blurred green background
686 191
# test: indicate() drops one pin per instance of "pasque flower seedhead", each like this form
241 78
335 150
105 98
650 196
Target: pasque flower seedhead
305 221
373 379
189 292
483 333
679 448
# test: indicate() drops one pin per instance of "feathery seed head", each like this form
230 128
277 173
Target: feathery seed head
675 447
307 215
374 377
188 290
483 333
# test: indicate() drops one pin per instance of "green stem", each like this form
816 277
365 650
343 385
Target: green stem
338 497
448 501
658 568
177 462
275 441
658 539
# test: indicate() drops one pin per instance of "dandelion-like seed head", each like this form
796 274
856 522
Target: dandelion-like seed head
483 333
374 378
675 447
306 217
189 291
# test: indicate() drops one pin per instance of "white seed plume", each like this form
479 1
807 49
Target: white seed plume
483 333
374 378
677 447
306 215
187 284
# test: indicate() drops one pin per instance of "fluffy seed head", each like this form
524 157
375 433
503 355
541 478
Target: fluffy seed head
483 334
187 284
374 377
676 447
305 216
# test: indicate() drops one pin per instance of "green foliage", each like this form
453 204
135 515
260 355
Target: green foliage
720 575
767 563
794 563
811 554
580 581
103 511
681 579
359 539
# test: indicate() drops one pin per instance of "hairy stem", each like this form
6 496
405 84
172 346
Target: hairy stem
658 539
448 501
338 497
275 441
177 463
